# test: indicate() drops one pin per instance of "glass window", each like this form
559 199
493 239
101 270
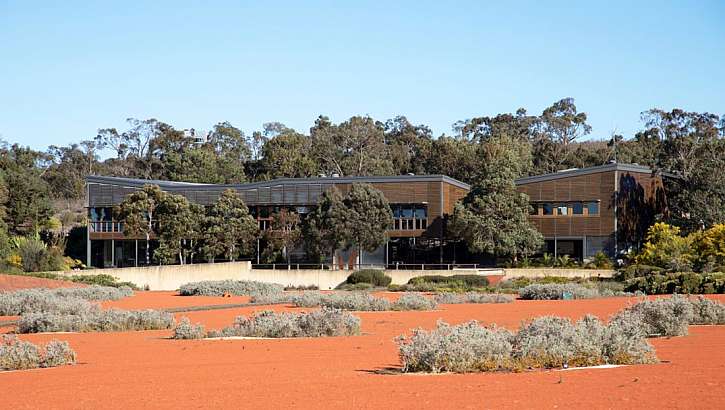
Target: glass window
420 212
264 212
577 208
593 208
562 209
548 209
407 212
534 209
397 211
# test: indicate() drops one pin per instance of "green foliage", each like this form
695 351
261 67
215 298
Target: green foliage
554 291
138 213
228 229
473 281
374 277
685 283
667 249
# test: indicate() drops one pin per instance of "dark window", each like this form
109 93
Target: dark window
562 209
577 208
407 212
534 209
548 209
593 208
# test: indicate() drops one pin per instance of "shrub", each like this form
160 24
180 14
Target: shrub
414 301
229 287
545 342
637 270
16 354
374 277
601 261
359 301
101 280
95 320
707 312
319 323
661 317
356 286
472 297
555 291
61 300
272 298
473 281
186 330
689 282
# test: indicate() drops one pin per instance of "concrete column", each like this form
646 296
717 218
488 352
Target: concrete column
135 263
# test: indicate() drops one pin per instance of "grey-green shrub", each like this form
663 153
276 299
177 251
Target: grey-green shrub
555 291
472 297
661 317
16 354
359 301
62 300
707 312
186 330
95 320
272 298
545 342
414 301
231 287
318 323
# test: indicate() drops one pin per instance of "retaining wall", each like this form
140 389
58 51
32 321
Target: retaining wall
562 272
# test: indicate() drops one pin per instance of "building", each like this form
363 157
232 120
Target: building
419 204
580 212
584 211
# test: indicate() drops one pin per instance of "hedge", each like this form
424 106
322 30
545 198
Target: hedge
689 282
372 276
476 281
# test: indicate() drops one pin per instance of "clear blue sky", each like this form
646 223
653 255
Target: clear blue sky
69 68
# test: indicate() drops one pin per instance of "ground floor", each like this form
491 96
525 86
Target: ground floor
578 247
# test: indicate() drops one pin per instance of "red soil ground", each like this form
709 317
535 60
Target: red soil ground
145 369
15 282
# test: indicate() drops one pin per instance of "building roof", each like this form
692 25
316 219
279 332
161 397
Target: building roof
568 173
172 185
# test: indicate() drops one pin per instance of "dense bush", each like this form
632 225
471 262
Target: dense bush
637 270
690 282
472 297
554 291
318 323
95 320
16 354
61 300
362 301
374 277
707 312
272 298
414 301
186 330
100 280
661 317
542 343
473 281
229 287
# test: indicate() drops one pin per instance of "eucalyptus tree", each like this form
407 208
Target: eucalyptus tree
138 213
228 228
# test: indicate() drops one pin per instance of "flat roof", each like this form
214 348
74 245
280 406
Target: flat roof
568 173
173 185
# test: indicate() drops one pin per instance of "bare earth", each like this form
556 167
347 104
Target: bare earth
145 369
15 282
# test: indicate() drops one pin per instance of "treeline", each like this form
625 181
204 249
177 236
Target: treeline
41 193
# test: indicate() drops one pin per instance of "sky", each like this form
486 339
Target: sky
69 68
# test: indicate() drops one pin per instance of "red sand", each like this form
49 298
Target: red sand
144 369
15 282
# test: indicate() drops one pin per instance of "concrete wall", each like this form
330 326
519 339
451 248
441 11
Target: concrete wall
170 277
567 273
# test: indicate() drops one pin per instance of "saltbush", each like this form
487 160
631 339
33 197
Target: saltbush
473 281
414 301
661 317
318 323
374 277
16 354
186 330
472 297
229 287
555 291
545 342
362 301
61 300
95 320
707 312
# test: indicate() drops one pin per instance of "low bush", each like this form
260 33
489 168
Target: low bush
272 298
229 287
660 317
374 277
101 280
318 323
472 281
688 282
472 297
61 300
16 354
356 286
186 330
414 301
637 270
301 287
555 291
359 301
95 320
545 342
707 312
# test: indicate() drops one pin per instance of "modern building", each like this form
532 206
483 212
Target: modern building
584 211
579 211
419 204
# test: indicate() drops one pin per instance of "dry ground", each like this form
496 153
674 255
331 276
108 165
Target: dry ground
146 369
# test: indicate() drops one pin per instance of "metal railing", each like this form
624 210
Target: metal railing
390 266
105 226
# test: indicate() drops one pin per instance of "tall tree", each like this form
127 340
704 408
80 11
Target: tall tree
228 229
28 196
283 235
288 156
558 127
178 228
366 219
138 213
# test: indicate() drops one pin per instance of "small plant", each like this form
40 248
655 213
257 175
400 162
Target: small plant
414 301
374 277
16 354
186 330
272 298
319 323
95 320
661 317
601 261
472 297
229 287
707 312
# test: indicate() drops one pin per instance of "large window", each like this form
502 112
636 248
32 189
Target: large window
593 208
577 208
548 209
562 209
408 217
570 208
